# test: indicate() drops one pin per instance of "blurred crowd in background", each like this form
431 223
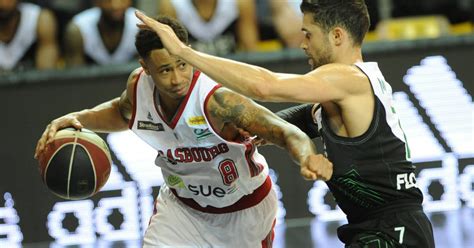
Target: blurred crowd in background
58 34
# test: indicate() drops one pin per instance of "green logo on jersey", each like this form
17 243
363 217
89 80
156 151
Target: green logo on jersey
202 133
351 186
175 181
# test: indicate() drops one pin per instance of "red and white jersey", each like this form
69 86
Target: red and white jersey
195 161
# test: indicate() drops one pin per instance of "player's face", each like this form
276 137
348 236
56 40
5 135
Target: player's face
7 8
114 10
316 43
171 74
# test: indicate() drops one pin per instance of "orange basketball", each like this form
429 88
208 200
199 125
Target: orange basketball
76 164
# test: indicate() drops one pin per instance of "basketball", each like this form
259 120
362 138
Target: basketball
76 164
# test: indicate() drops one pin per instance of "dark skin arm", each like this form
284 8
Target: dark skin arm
227 107
110 116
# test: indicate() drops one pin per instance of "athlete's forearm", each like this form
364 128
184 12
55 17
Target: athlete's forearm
248 80
105 117
298 144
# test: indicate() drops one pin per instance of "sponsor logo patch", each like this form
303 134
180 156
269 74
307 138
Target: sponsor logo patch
148 125
175 181
196 120
202 133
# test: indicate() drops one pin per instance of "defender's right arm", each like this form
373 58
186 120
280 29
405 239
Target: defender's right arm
110 116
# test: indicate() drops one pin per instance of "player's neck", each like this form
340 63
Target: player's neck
108 25
350 56
205 8
168 105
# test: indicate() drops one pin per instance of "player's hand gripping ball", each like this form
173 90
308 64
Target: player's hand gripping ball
76 164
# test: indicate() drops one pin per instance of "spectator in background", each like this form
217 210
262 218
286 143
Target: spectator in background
280 20
104 34
217 27
27 37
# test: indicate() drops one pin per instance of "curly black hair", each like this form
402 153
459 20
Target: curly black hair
147 40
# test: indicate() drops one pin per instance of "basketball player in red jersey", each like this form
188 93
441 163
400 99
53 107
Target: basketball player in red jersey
351 108
217 191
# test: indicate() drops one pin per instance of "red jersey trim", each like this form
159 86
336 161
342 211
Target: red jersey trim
254 167
182 106
134 107
245 202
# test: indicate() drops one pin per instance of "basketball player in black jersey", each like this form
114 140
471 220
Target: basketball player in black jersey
373 180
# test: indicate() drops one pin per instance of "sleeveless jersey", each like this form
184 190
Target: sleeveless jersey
372 172
216 36
195 161
24 38
87 22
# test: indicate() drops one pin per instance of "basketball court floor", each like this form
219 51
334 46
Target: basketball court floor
453 229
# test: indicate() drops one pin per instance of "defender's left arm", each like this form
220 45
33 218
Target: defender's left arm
226 106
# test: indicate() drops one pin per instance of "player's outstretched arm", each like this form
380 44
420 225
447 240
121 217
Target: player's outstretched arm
226 106
327 83
109 116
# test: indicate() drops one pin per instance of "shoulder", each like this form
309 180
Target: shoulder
348 77
134 76
337 69
132 81
73 29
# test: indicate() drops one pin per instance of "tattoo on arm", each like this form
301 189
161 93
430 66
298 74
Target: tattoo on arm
231 107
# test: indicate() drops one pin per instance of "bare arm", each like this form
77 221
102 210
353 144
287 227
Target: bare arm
110 116
332 82
47 52
74 49
247 25
226 106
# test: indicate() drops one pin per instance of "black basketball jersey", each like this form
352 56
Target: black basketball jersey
372 172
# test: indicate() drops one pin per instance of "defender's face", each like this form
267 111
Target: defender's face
114 10
171 74
316 43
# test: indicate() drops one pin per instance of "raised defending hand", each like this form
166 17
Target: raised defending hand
316 167
169 39
69 120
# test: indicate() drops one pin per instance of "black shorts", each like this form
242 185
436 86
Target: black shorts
395 230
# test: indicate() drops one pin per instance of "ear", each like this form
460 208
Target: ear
338 35
143 64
